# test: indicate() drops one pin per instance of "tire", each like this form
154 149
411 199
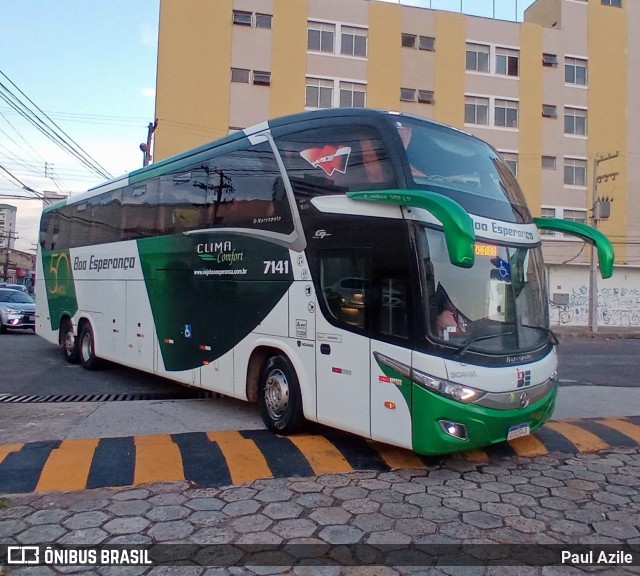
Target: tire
280 399
69 344
87 348
3 328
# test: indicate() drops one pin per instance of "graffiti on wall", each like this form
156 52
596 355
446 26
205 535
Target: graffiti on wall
616 307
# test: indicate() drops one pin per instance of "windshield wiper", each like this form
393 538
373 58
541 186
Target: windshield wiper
550 334
480 338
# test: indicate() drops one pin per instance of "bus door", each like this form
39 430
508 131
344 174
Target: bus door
363 336
342 348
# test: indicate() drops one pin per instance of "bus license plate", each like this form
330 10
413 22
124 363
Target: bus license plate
518 430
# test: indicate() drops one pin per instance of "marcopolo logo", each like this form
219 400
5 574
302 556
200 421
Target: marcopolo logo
220 252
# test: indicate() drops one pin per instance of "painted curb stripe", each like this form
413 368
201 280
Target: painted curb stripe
7 449
627 428
113 463
321 454
158 459
611 436
282 456
583 440
202 460
20 471
232 457
67 467
246 463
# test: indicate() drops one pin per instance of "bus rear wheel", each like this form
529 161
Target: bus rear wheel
87 348
280 399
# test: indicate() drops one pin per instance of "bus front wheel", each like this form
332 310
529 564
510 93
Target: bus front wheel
88 357
280 399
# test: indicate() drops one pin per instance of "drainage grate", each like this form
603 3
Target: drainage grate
117 397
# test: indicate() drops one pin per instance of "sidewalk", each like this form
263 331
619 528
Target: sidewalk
605 332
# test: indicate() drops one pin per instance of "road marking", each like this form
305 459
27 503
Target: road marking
583 440
67 467
323 456
245 462
158 459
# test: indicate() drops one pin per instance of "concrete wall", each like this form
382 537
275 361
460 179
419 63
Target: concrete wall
618 296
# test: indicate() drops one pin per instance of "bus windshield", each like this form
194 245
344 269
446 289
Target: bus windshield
463 168
498 306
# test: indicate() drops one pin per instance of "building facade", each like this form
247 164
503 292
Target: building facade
7 226
554 94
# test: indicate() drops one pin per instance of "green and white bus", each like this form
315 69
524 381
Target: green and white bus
368 270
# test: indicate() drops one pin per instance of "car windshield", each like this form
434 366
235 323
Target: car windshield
15 296
498 306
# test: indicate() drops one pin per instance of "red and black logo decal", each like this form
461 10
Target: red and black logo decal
329 158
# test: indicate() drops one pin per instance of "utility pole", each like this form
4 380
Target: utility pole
146 147
600 208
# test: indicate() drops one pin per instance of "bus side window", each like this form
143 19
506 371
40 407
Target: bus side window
336 159
344 284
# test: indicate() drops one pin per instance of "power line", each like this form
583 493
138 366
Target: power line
51 130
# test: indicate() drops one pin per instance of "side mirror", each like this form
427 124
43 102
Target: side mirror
458 227
588 234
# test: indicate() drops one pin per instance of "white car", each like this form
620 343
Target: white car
17 310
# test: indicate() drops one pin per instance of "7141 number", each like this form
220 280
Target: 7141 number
276 266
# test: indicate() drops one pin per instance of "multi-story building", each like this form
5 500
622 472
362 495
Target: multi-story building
7 226
555 94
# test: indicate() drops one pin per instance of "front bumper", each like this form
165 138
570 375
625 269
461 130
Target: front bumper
484 426
21 320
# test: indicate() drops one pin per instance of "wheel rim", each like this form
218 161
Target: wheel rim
276 394
86 347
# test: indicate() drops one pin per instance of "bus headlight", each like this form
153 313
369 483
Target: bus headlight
458 392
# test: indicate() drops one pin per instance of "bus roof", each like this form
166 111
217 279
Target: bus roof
173 162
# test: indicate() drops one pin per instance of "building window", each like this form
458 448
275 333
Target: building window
263 20
320 37
575 215
617 3
547 213
409 40
549 111
408 94
242 18
319 93
240 75
507 61
575 121
506 113
548 162
476 110
353 41
352 95
427 43
575 71
511 160
549 60
261 78
575 172
426 96
477 57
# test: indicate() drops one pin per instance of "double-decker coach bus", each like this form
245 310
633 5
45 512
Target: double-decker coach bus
368 270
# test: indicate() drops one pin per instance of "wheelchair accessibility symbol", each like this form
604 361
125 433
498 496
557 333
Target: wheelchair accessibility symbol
187 330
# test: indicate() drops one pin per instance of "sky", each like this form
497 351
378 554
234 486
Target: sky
90 66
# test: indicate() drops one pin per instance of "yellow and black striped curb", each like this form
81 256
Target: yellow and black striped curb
231 457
